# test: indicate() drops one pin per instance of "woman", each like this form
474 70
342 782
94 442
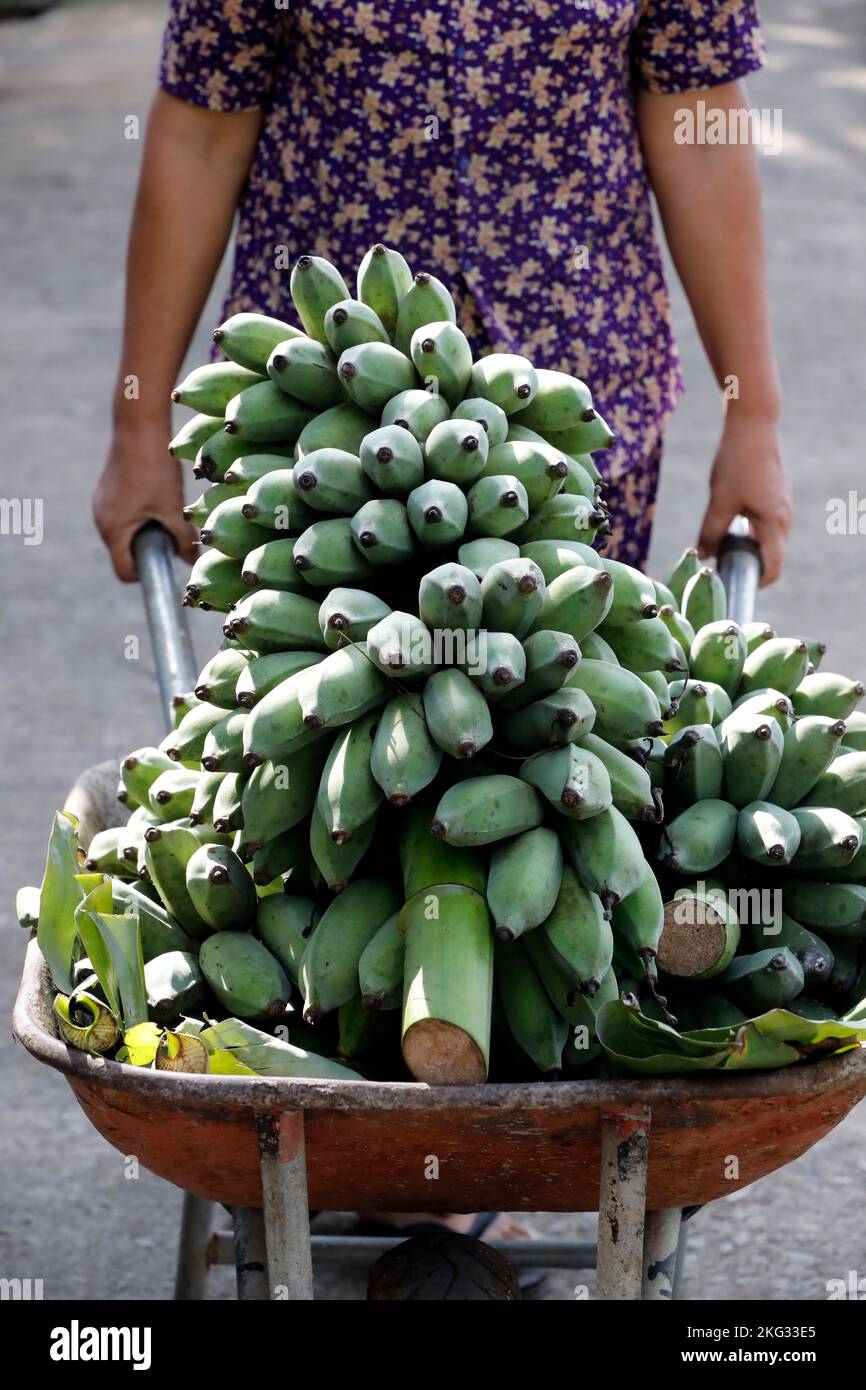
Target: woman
510 148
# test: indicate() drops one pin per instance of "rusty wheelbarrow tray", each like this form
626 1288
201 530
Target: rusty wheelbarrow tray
269 1148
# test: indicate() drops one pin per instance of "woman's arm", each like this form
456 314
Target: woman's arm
194 166
709 197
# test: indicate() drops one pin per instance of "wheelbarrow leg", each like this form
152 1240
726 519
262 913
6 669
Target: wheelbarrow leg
282 1157
622 1203
251 1260
661 1244
192 1261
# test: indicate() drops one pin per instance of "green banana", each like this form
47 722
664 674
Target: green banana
752 751
809 746
482 810
578 935
814 955
757 633
829 839
505 379
631 788
384 278
843 785
372 373
718 654
576 602
594 648
694 768
779 664
579 1010
540 468
168 850
315 286
380 967
523 882
564 514
337 862
679 627
563 716
263 414
209 389
855 870
582 438
175 986
201 811
341 427
332 480
198 511
646 645
382 532
704 599
401 646
226 813
661 687
186 742
825 693
348 793
638 921
625 707
438 513
513 593
489 416
218 455
138 772
284 857
404 759
699 838
442 357
449 596
221 889
559 402
348 323
215 581
855 733
285 924
329 970
271 619
347 615
171 795
416 411
549 658
393 460
217 681
229 530
634 595
532 1021
426 301
106 854
456 452
498 505
279 794
326 554
485 552
192 435
272 566
224 744
265 673
767 833
247 980
685 569
249 339
448 986
767 702
306 370
496 663
715 1010
606 853
275 501
555 557
834 909
573 780
664 598
458 718
341 688
700 933
766 980
276 725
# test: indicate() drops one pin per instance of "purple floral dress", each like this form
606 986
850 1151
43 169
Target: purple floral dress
493 142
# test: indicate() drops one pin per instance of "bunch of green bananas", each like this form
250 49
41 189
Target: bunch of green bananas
451 760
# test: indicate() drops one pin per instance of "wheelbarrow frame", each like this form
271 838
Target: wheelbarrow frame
636 1255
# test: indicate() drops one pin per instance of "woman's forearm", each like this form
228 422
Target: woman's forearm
709 198
194 166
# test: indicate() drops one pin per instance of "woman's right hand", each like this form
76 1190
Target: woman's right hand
140 482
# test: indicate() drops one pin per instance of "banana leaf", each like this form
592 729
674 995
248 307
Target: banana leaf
59 896
269 1056
113 945
640 1045
98 899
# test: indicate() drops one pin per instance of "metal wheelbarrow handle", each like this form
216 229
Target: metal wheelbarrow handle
173 654
740 569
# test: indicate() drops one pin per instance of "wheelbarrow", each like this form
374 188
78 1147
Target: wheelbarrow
640 1152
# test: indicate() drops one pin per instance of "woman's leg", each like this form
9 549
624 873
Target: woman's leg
631 499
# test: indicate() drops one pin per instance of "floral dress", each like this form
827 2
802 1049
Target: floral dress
493 142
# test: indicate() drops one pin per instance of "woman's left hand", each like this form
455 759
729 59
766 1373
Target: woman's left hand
749 479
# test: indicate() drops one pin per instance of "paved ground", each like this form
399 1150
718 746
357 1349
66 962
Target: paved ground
70 698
